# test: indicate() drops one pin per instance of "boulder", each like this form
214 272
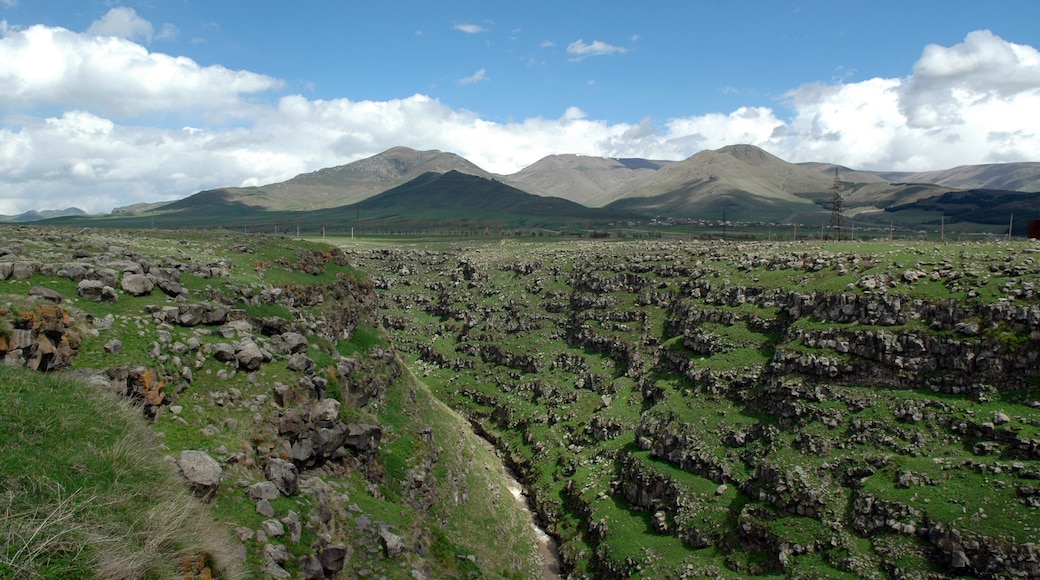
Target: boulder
137 284
289 343
310 568
223 352
248 355
23 270
325 412
275 553
90 289
75 271
293 526
108 294
392 543
332 558
45 293
126 267
273 528
300 363
169 287
284 475
262 490
363 438
201 471
264 508
106 276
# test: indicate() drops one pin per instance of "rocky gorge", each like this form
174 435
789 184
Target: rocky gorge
270 388
672 409
680 409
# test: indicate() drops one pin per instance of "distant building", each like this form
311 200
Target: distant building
1034 230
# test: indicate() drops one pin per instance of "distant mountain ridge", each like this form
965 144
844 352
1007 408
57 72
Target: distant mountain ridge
734 183
591 181
458 196
1023 176
34 215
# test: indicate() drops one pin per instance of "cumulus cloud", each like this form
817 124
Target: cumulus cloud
123 22
970 103
581 50
480 75
983 67
96 154
53 66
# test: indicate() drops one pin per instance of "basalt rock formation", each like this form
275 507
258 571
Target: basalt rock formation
682 409
262 366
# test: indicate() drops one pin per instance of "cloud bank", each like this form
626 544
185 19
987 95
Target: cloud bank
78 120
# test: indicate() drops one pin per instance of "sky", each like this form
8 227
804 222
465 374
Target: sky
104 103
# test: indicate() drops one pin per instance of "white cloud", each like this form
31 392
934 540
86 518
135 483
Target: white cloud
580 49
971 103
480 75
124 23
91 156
167 32
112 75
983 67
469 28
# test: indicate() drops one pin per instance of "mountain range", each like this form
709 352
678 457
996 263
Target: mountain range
34 215
403 187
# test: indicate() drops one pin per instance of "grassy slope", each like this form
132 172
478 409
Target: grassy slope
440 541
84 492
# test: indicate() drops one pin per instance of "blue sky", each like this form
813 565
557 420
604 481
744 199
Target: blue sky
115 103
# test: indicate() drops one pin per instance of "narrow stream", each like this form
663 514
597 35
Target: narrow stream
547 546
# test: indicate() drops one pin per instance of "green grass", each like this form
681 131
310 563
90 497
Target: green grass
85 494
365 337
544 419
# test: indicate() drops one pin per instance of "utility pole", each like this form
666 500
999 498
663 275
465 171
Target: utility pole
837 218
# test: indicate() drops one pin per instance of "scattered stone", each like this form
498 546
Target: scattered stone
137 284
294 525
262 490
202 472
264 508
284 475
310 568
289 343
248 355
223 352
392 543
273 528
332 558
300 363
45 293
95 291
275 572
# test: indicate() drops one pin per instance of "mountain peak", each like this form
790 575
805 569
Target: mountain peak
748 154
